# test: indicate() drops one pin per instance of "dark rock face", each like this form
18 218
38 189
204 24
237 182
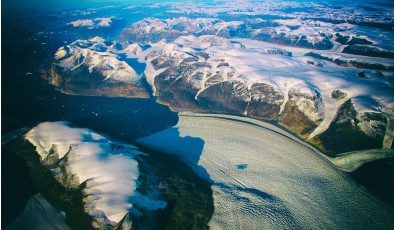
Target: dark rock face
360 41
296 120
81 82
178 94
265 101
342 39
362 74
279 52
349 63
370 51
228 97
318 64
347 40
350 127
378 177
338 94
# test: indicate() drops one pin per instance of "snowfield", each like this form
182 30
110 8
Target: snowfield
264 178
110 169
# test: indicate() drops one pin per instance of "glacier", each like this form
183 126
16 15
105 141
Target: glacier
287 183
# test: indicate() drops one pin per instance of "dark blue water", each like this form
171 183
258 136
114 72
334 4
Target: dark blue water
27 100
136 65
242 166
16 195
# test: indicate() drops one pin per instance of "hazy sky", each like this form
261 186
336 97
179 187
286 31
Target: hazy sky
58 4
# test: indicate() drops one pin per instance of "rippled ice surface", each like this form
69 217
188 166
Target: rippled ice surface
282 182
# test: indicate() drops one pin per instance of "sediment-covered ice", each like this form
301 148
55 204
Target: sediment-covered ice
351 161
264 178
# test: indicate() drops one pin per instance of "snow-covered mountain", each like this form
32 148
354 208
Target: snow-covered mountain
86 26
92 67
94 23
309 33
154 29
107 171
304 92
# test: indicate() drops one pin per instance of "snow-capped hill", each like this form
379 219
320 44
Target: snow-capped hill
133 49
202 42
302 37
311 104
149 30
82 23
105 63
366 128
294 32
191 25
154 30
61 53
99 64
109 170
94 23
97 39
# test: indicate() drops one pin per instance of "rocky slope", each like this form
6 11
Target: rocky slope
102 184
367 50
87 67
303 92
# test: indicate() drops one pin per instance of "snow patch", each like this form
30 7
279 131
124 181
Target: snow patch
93 23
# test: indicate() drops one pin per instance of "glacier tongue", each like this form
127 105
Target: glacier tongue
263 176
